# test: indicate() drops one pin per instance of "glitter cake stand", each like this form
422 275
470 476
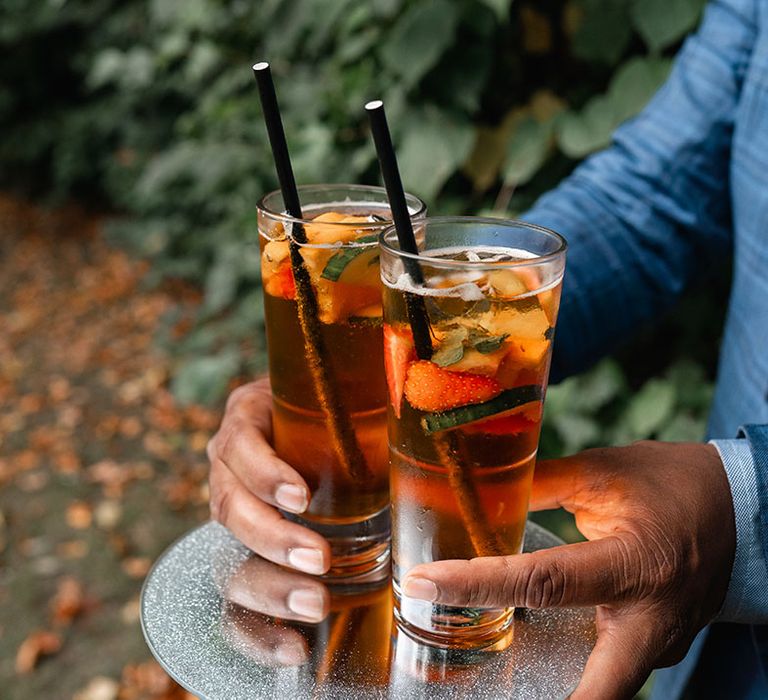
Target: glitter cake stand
221 651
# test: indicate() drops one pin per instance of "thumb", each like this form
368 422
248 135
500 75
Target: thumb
619 664
587 573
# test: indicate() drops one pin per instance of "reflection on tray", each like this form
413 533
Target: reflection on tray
355 645
220 622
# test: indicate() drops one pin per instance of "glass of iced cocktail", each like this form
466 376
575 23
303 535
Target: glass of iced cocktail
330 394
465 415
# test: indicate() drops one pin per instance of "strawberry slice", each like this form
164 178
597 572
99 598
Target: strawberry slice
429 387
399 352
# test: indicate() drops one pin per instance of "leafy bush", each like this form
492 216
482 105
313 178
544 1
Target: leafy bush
149 107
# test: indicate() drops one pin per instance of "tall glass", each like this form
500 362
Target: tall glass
464 424
326 365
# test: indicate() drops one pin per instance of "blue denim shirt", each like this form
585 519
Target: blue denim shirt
685 183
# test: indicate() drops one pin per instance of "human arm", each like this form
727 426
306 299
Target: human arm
660 527
642 216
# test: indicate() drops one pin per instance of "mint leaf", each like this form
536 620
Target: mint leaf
336 264
489 345
448 355
451 349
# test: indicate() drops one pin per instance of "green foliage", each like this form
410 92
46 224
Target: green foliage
662 22
204 379
149 107
599 408
631 87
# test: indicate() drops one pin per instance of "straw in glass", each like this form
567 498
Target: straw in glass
448 447
342 433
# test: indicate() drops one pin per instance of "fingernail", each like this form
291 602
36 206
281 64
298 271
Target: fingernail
421 588
290 655
307 603
291 497
305 559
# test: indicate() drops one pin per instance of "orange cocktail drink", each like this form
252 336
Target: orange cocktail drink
338 444
464 424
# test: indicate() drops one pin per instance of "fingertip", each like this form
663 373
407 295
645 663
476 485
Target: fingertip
290 654
310 603
310 560
420 588
292 497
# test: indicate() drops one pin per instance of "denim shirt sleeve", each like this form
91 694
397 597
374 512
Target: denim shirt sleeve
642 216
746 465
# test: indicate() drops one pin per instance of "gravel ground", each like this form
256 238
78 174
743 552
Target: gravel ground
99 469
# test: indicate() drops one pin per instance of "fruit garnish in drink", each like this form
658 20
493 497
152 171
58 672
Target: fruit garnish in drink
399 353
491 340
468 413
429 387
342 261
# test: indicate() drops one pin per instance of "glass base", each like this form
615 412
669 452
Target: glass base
451 627
359 551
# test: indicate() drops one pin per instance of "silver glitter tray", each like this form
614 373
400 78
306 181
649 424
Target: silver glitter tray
221 650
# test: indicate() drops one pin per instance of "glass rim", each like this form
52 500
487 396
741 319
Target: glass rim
478 264
284 217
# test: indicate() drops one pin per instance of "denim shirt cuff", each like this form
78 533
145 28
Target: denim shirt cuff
747 597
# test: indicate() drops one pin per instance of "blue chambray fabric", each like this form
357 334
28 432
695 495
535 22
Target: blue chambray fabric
745 600
683 185
757 436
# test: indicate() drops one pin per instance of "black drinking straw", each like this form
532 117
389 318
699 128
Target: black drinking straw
279 145
450 447
417 310
340 427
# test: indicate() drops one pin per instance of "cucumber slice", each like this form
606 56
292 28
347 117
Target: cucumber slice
506 401
335 266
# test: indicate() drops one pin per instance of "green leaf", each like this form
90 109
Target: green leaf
448 355
500 7
337 262
487 345
419 39
683 428
694 390
560 398
357 45
201 62
576 431
451 348
605 31
649 409
433 146
204 379
663 22
581 133
222 278
635 83
326 14
527 150
190 14
106 68
598 387
386 8
461 76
